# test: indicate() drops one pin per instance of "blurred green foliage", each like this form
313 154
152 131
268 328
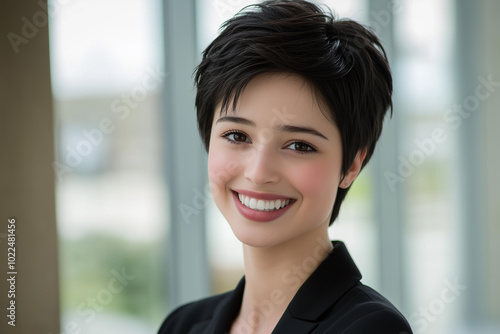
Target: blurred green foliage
86 268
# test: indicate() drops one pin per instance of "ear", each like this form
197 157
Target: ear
354 170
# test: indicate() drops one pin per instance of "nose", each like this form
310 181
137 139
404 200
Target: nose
262 166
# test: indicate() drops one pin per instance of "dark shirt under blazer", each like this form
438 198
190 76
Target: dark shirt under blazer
332 300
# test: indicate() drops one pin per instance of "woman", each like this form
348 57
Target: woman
290 104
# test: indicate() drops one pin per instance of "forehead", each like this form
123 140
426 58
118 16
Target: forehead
279 93
278 90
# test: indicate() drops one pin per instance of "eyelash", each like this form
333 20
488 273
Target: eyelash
226 134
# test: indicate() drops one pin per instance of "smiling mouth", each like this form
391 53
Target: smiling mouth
263 205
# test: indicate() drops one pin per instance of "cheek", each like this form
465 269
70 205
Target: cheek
318 182
222 167
217 175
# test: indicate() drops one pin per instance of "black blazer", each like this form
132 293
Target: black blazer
332 300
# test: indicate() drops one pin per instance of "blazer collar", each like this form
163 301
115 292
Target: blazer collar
330 281
224 314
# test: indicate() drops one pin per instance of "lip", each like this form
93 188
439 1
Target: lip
260 216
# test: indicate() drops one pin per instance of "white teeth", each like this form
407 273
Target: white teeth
262 205
253 203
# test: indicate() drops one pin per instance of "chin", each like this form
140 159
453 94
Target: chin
257 237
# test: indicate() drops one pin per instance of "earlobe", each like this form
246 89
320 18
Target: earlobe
354 170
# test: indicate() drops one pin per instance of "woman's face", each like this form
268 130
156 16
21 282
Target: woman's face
274 164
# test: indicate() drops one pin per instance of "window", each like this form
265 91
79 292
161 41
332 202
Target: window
107 74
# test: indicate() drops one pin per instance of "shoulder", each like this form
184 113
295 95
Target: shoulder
364 310
183 318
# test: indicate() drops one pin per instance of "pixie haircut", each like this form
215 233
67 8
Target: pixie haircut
343 62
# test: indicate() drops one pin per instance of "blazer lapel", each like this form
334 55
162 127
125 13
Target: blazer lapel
224 314
330 281
288 324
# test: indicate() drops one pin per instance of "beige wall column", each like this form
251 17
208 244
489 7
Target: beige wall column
26 176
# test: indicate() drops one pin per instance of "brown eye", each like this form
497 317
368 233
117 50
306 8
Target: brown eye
236 137
301 147
239 137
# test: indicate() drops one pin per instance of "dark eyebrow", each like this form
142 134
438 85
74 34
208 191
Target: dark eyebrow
281 127
239 120
300 129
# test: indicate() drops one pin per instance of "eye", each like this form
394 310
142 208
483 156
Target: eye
236 137
301 147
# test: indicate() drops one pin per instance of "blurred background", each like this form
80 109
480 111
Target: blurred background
103 168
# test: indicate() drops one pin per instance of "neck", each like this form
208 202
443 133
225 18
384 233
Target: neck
274 274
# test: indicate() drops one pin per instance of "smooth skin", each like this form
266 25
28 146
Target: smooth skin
278 141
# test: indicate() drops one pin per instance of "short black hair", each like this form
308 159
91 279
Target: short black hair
343 61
